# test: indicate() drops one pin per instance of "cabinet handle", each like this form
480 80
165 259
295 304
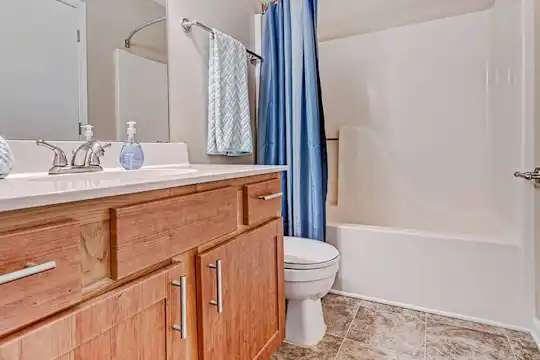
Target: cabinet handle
270 197
182 284
219 302
30 269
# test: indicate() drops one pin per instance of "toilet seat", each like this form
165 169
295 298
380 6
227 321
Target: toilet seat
294 275
307 254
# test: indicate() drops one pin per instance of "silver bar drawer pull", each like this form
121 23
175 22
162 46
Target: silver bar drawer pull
182 284
29 270
219 281
271 197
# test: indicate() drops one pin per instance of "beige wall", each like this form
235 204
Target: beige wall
188 67
340 18
537 151
109 22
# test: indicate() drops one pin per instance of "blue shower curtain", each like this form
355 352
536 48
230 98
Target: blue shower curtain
291 120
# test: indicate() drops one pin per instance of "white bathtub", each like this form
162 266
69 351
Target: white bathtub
467 277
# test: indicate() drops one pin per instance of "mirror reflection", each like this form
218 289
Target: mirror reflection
67 63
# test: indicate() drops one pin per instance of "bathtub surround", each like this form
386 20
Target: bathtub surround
291 120
420 110
363 330
465 275
358 17
407 158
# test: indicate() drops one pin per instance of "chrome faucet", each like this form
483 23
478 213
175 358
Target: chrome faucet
84 159
88 154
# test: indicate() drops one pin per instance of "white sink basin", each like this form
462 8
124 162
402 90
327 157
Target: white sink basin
112 176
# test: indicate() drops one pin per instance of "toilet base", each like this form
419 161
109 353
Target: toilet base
305 322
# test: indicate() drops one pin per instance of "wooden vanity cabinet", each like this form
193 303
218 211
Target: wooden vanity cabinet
53 249
241 296
145 234
137 321
186 273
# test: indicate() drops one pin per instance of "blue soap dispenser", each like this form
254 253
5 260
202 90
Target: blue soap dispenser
131 155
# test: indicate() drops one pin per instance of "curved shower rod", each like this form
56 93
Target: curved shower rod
127 42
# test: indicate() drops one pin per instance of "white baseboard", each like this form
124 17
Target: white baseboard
535 332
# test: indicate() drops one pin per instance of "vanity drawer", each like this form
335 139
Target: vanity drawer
146 234
40 273
262 201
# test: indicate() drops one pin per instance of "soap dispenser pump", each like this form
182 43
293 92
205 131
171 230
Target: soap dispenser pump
131 155
88 133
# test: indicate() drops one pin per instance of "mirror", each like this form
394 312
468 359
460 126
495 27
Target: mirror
66 63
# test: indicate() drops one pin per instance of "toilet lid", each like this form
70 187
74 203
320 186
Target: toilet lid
303 253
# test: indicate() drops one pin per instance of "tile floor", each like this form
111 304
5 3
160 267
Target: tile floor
362 330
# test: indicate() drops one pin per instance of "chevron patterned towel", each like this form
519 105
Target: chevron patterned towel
6 158
229 122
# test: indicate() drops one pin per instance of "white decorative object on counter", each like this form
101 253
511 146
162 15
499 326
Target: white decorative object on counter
6 158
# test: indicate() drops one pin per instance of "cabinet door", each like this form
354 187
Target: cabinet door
241 296
142 320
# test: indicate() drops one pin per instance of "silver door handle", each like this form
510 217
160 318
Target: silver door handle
30 269
535 175
182 284
219 280
271 197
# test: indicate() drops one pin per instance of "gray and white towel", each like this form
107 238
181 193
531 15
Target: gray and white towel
6 158
229 121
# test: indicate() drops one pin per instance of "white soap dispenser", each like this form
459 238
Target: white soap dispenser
88 133
131 155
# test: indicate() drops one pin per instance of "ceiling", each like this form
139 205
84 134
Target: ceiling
341 18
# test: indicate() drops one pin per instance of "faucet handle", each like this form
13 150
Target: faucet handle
97 151
60 159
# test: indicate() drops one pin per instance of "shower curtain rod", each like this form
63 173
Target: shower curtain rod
187 25
127 42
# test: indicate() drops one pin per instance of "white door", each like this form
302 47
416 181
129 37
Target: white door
39 69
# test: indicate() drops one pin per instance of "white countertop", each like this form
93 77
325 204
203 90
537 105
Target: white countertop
27 190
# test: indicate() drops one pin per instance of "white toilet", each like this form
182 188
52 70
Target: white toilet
310 270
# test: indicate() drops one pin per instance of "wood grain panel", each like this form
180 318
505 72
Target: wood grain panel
98 348
142 336
137 296
257 210
127 323
130 256
69 356
238 182
94 317
51 340
85 212
142 234
192 235
29 299
252 266
11 349
95 252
